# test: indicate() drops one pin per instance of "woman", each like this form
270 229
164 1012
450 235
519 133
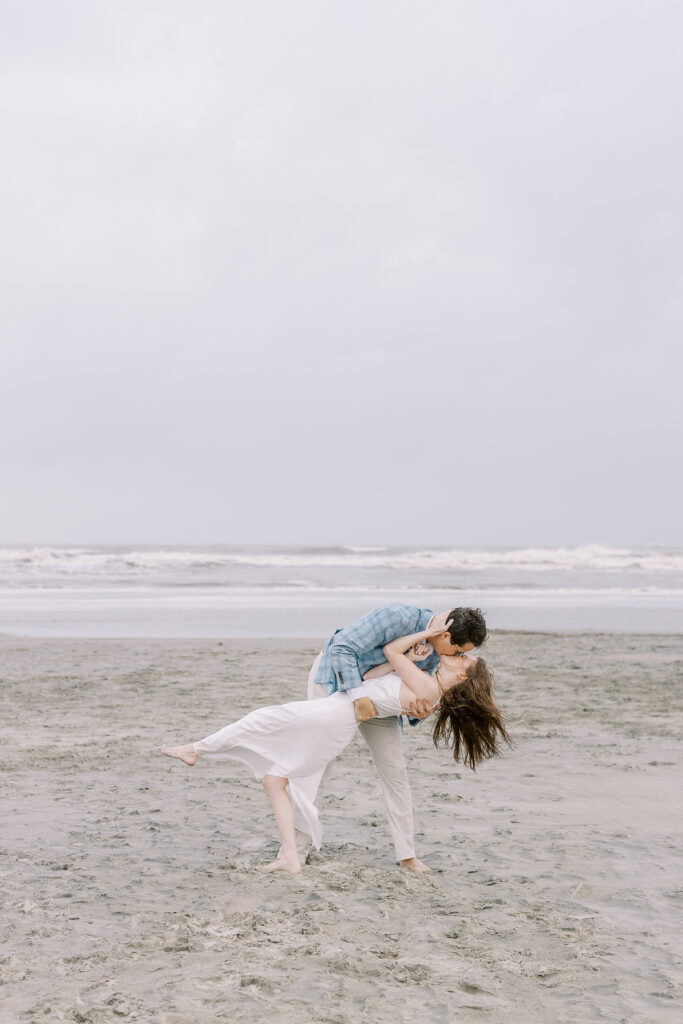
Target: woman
289 745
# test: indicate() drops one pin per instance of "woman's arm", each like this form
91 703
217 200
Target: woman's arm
421 683
379 670
416 653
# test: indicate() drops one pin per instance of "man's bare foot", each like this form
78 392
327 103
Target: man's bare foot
187 753
283 864
414 865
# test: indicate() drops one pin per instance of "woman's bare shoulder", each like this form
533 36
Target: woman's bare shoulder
429 691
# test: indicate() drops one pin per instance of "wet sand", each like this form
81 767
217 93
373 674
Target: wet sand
129 889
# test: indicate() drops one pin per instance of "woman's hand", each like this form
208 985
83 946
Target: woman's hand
419 651
436 631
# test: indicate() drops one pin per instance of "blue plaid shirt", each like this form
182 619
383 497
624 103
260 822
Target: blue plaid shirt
352 651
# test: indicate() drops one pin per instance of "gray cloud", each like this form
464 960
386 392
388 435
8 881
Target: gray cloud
341 272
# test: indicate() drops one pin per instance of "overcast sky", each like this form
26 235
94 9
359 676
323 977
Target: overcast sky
378 272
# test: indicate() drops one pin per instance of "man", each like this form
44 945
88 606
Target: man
341 665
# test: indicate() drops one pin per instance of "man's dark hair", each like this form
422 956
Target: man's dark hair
467 626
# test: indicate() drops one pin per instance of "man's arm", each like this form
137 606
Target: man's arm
345 664
365 634
369 633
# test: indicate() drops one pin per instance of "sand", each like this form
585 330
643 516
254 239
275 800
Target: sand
129 889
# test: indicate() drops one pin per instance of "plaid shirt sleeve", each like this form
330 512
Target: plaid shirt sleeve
366 634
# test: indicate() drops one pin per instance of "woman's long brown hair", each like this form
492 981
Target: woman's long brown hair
468 719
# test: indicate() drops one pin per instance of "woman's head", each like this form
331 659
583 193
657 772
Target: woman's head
455 668
468 719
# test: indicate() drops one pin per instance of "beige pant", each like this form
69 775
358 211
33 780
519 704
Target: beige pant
384 737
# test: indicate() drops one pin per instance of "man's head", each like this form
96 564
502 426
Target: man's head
464 629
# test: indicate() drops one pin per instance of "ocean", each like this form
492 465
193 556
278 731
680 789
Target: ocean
223 591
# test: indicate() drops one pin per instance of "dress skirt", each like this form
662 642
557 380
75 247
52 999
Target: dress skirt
295 741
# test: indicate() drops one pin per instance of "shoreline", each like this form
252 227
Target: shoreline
304 641
207 614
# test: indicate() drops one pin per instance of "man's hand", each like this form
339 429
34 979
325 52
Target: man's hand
364 709
420 709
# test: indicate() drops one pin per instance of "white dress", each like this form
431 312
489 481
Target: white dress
297 740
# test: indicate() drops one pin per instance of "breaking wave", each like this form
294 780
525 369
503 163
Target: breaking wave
102 562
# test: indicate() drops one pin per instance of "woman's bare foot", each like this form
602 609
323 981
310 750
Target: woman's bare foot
187 753
283 864
414 865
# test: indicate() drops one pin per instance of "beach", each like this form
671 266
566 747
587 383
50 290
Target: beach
129 884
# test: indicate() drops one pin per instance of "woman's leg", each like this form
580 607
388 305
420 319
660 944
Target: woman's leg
186 753
313 692
216 745
288 859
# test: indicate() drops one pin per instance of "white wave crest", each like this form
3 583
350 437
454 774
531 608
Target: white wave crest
143 561
595 557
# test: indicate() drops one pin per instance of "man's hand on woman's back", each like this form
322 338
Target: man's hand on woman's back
364 709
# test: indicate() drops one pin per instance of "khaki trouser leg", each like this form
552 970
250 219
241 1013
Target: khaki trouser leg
384 737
